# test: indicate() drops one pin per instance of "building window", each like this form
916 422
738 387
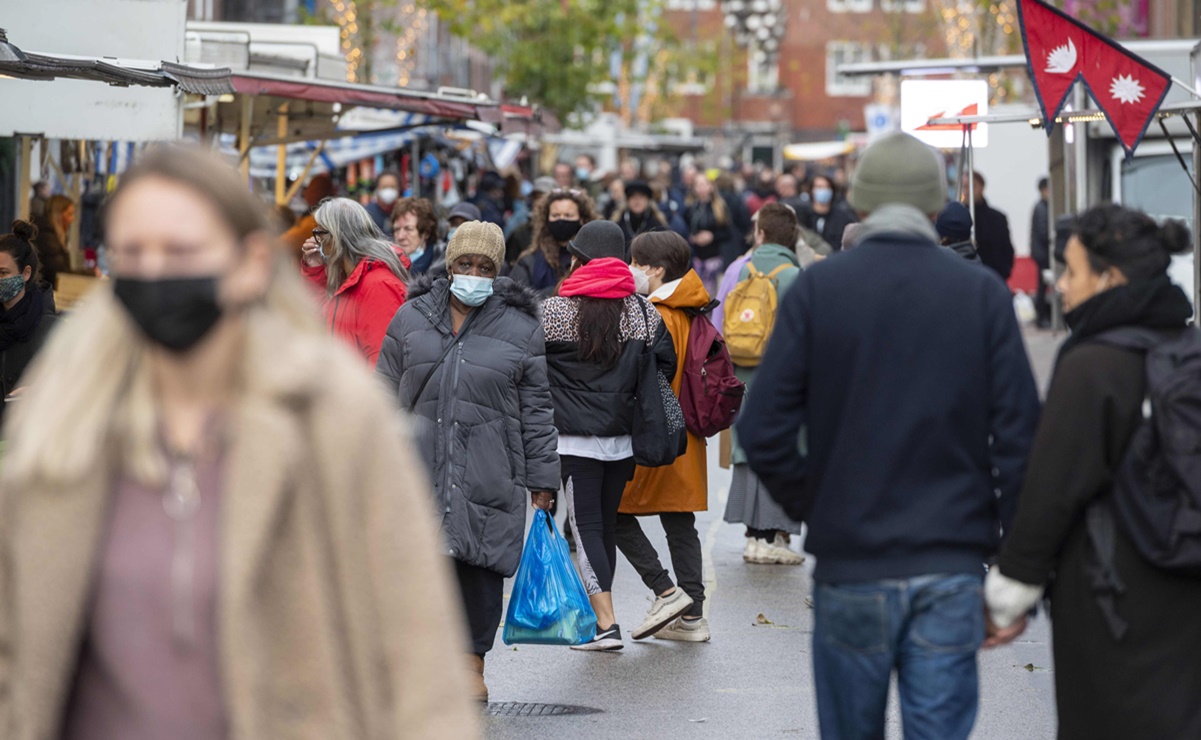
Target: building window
762 73
909 6
849 6
846 52
691 4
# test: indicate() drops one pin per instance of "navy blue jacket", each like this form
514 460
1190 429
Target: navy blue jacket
902 360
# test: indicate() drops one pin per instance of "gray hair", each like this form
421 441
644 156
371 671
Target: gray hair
353 237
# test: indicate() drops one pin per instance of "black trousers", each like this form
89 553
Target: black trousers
684 544
1042 303
483 593
593 490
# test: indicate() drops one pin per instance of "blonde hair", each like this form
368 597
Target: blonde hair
89 399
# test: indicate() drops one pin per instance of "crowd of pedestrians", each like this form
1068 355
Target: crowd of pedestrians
214 519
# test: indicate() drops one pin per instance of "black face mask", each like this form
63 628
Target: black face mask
564 231
174 313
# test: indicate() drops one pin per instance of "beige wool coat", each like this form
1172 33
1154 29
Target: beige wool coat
335 614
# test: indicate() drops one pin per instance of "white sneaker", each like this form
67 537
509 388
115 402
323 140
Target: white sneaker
683 630
782 554
662 612
753 550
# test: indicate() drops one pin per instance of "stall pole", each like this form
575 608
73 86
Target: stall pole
971 177
75 250
244 137
416 157
281 159
24 186
295 188
1197 233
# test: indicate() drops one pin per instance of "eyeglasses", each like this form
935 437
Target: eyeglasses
319 234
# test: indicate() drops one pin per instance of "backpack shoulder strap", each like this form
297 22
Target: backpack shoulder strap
753 272
1138 338
776 272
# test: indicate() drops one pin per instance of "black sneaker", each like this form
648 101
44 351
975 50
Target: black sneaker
609 639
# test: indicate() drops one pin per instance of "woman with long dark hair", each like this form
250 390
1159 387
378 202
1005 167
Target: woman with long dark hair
715 242
558 217
28 313
597 330
1146 681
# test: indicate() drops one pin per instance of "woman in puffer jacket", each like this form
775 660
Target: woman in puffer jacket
466 356
597 332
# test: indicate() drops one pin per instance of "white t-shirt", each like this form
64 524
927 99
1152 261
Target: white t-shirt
606 449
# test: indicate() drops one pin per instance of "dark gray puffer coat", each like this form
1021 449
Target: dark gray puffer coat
484 422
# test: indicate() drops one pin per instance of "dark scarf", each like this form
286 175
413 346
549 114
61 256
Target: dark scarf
18 323
1155 304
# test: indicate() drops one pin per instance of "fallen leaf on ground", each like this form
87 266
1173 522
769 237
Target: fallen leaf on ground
1029 667
763 620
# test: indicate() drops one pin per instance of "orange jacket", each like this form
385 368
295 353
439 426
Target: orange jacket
683 485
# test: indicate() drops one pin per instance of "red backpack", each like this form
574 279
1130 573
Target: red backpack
710 393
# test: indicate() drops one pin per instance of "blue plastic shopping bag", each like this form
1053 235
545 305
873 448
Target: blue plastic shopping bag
549 605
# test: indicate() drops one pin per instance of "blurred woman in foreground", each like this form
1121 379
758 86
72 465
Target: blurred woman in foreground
180 555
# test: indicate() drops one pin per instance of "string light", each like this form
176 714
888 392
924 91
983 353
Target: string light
415 21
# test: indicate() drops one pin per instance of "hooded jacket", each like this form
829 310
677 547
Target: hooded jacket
683 485
592 400
484 423
363 306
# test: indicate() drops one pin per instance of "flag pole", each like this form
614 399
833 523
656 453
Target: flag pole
1179 83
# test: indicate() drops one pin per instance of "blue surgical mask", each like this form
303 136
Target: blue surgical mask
823 195
582 174
451 233
471 290
11 287
416 255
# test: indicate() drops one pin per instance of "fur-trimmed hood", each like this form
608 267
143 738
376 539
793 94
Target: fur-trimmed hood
513 294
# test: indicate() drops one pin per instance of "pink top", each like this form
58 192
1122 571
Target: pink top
137 678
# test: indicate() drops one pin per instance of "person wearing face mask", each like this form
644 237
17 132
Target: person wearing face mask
466 357
597 331
558 217
28 314
673 493
194 557
387 193
360 276
640 214
1143 682
415 232
825 213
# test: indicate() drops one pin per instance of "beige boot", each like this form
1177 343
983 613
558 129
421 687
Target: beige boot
479 689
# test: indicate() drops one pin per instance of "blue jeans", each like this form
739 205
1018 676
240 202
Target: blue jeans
927 629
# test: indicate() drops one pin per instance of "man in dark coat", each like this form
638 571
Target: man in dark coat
1040 250
914 449
992 233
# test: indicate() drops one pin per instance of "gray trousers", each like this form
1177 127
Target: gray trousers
684 544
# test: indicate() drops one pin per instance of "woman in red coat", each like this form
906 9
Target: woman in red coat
361 275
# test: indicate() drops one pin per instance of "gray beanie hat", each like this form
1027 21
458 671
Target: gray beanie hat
477 237
598 239
899 169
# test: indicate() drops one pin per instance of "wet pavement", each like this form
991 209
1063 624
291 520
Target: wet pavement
753 680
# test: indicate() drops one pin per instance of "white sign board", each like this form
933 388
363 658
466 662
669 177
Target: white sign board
151 30
923 100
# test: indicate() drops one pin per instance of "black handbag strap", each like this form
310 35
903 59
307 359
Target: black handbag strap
458 338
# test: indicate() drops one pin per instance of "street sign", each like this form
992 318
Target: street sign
924 100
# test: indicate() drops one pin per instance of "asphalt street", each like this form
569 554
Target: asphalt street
754 679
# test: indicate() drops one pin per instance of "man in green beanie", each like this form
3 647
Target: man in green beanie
906 366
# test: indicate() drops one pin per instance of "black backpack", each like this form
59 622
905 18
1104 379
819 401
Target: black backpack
1156 498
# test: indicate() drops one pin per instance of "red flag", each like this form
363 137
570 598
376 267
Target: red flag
1061 50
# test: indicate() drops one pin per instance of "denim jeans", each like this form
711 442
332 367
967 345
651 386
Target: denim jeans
926 628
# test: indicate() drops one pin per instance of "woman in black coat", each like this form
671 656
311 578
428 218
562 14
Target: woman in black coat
597 333
28 312
467 357
1147 684
715 242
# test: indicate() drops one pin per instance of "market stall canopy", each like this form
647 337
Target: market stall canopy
818 150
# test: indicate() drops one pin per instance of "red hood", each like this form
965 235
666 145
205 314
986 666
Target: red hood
607 277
